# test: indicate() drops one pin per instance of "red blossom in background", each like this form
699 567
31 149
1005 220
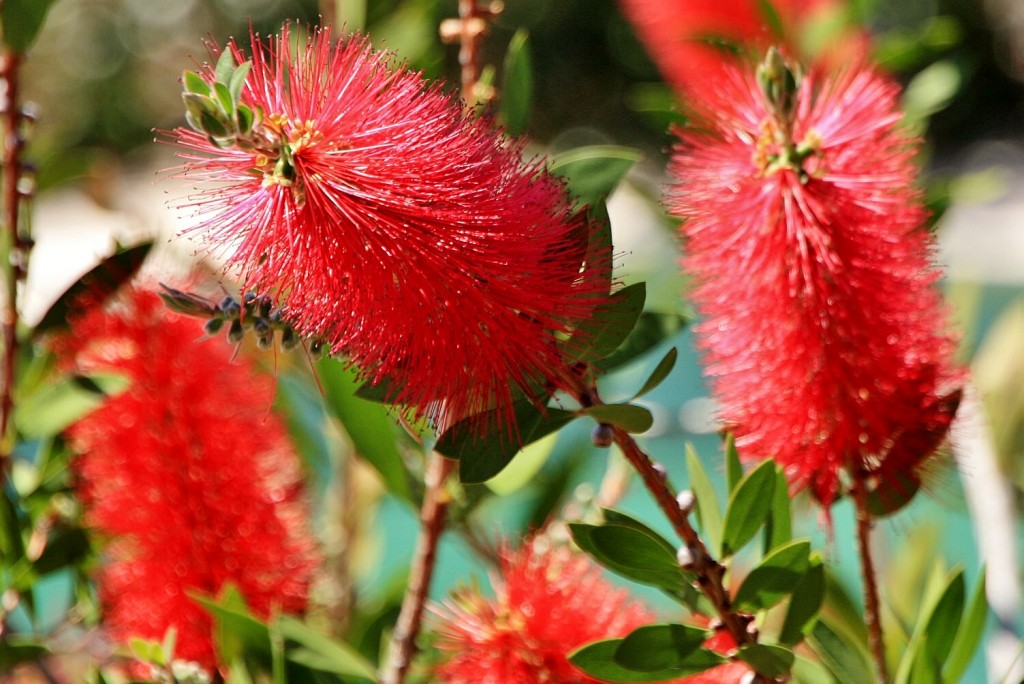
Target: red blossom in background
824 332
187 474
397 225
690 40
547 603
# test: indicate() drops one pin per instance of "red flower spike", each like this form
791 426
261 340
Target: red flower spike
824 333
398 226
188 476
691 40
547 603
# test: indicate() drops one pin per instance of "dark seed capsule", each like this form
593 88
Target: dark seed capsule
602 435
316 347
235 332
266 341
230 307
261 326
213 326
289 339
263 305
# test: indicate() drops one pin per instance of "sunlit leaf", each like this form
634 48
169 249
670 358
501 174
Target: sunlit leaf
659 373
629 417
749 506
709 514
768 660
658 647
969 635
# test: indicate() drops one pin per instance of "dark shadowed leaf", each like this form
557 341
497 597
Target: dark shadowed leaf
64 549
778 529
613 320
96 285
14 650
517 86
593 172
481 457
22 20
651 329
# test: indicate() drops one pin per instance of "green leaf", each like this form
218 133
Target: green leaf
749 506
597 257
225 101
14 650
481 457
194 83
319 652
237 633
771 17
98 284
52 409
969 635
12 546
709 514
805 603
65 548
845 657
629 417
658 647
245 119
225 67
896 493
779 529
517 87
613 320
768 660
237 81
733 467
635 552
810 672
598 661
650 330
22 20
367 425
774 578
659 373
934 633
593 172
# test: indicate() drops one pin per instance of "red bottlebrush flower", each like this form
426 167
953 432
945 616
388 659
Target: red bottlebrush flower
547 603
396 225
690 40
825 336
186 473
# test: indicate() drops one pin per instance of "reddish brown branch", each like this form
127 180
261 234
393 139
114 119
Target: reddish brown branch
10 167
432 521
872 606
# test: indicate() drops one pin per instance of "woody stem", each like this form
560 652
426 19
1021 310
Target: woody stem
872 606
432 522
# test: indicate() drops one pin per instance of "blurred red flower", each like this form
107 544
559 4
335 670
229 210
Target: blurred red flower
187 475
807 240
397 225
547 603
692 41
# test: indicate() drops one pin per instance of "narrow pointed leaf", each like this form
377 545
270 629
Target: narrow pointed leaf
748 508
225 67
194 83
517 86
98 284
320 652
969 635
613 320
847 659
651 329
237 81
733 467
709 513
806 601
779 528
367 424
659 373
